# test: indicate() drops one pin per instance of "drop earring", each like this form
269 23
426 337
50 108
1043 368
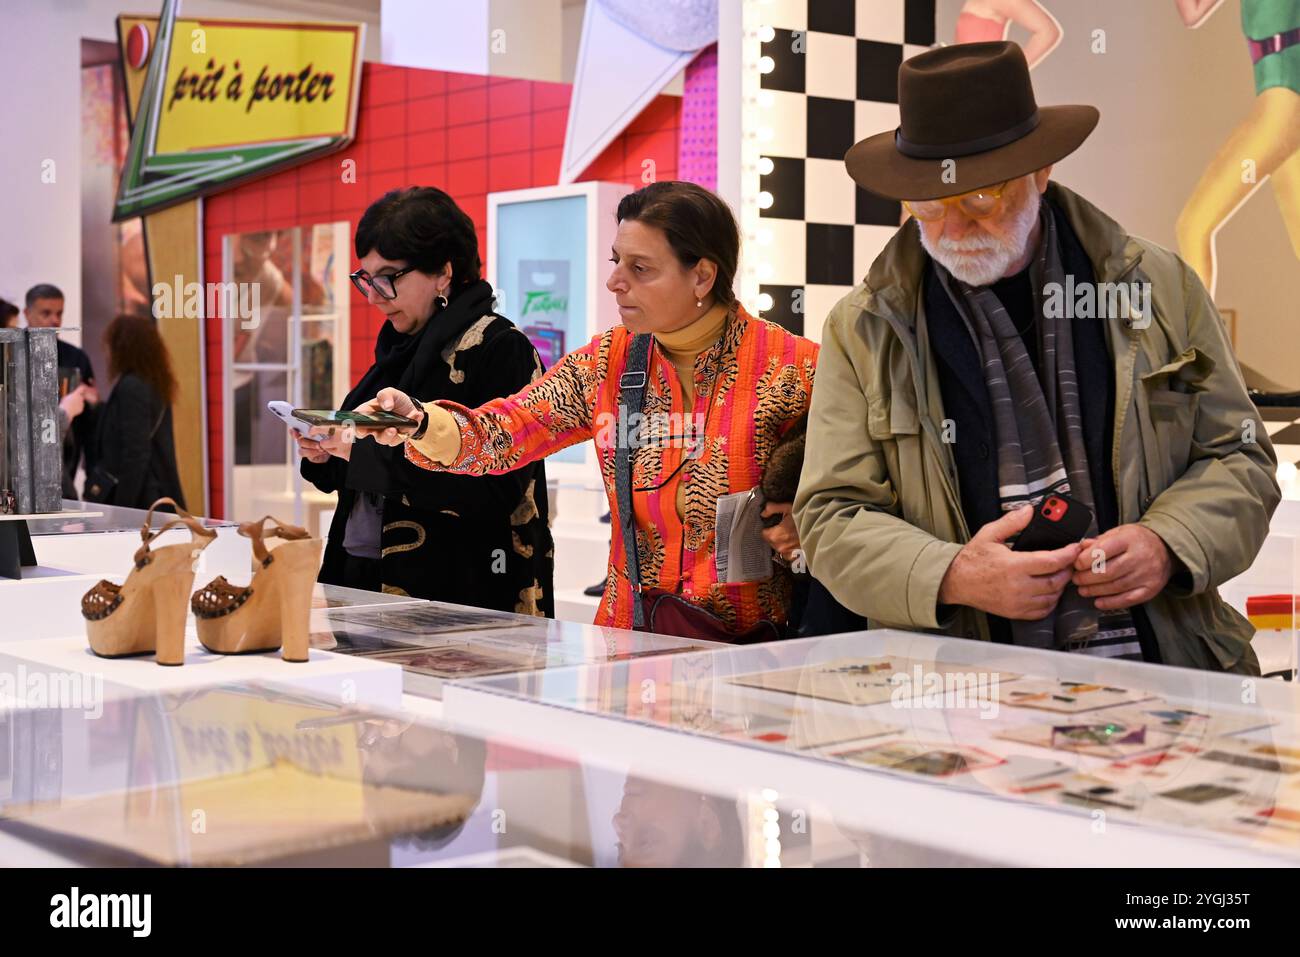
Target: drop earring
441 300
699 303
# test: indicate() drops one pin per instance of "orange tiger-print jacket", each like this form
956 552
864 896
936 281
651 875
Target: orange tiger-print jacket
750 388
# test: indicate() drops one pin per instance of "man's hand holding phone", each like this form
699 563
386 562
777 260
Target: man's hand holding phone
990 576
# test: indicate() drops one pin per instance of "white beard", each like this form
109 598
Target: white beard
980 259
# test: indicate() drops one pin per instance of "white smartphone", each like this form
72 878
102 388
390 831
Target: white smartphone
284 411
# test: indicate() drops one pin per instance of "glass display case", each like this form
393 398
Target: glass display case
578 744
436 642
991 752
250 775
86 518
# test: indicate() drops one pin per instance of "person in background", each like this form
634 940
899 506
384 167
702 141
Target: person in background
664 825
135 450
8 315
399 528
721 389
813 609
44 310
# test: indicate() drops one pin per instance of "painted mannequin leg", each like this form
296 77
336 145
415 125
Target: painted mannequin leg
1286 190
1267 137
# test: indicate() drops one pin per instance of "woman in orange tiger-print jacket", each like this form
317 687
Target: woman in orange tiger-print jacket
722 389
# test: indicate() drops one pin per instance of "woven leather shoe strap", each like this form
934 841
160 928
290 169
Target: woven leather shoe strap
257 531
183 519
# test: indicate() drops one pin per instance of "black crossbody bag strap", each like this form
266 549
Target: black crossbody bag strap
631 400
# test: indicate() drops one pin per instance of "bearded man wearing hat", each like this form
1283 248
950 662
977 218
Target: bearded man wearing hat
983 365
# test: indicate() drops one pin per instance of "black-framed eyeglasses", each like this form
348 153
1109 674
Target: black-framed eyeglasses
385 285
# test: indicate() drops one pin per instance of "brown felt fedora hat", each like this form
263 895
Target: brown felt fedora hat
971 103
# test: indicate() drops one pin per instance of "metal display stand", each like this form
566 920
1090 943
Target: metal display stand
16 551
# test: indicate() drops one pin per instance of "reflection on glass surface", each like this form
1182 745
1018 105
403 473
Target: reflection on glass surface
291 344
436 642
661 825
328 597
235 776
248 775
264 260
260 438
321 308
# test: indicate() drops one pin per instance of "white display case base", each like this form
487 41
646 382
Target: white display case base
338 679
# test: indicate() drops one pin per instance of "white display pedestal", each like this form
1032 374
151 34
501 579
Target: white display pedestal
44 607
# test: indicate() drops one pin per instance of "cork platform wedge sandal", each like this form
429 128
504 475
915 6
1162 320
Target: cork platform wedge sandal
274 609
146 613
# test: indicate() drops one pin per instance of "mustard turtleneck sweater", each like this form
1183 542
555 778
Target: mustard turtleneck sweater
441 441
682 346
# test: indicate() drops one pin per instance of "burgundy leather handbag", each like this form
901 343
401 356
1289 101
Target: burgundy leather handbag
669 614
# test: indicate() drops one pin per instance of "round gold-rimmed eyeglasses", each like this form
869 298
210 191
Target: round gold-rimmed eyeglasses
977 204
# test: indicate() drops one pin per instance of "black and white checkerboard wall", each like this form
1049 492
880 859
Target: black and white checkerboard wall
835 81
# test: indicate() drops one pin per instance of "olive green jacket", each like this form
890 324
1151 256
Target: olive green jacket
878 508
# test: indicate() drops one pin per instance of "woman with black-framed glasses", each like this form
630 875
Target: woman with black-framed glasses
399 528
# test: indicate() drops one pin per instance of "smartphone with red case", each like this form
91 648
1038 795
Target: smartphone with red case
1059 520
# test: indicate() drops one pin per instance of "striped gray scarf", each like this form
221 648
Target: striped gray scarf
1037 421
